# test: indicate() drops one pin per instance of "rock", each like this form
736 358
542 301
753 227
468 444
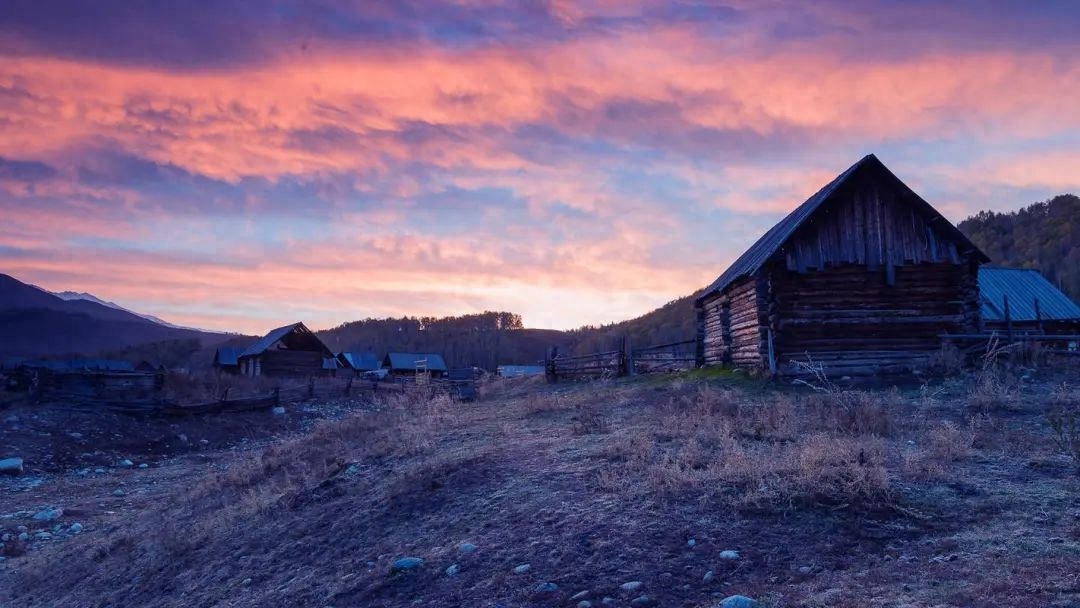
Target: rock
76 528
119 492
642 601
805 570
729 555
632 586
580 595
13 419
144 466
709 577
467 547
547 588
75 435
5 537
100 471
452 570
48 514
23 536
42 536
522 569
204 441
584 604
406 564
125 464
737 601
245 582
278 411
11 466
607 601
691 543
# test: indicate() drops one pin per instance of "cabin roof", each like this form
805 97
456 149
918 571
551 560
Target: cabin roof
755 257
408 361
279 334
1022 286
228 355
362 361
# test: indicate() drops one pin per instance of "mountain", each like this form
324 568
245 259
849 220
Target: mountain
36 323
74 295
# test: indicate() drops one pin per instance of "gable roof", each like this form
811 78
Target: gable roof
279 334
755 257
228 355
1022 286
361 361
407 361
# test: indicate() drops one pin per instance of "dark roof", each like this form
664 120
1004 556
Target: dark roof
407 361
279 334
361 361
755 257
228 355
1022 286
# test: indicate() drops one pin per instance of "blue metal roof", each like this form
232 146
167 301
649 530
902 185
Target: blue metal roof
760 252
228 355
362 361
1022 286
407 361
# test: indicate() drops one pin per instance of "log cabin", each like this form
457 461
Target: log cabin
410 364
292 350
862 278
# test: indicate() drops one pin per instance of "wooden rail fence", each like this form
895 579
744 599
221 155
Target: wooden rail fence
623 361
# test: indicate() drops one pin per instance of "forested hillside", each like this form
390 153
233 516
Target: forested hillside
1044 235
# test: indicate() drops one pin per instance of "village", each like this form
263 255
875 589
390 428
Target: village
866 400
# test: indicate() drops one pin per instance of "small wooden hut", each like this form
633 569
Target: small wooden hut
292 350
1022 299
411 364
861 278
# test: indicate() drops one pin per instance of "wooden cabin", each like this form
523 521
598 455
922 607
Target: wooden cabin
861 278
1021 299
292 350
410 364
227 359
359 362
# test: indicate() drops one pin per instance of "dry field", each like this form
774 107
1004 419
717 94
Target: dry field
960 493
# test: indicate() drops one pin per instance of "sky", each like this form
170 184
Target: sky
238 165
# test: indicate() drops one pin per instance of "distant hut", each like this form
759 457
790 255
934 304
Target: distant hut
861 278
409 364
1022 299
359 362
227 359
292 350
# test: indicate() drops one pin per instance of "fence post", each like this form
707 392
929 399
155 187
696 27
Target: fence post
628 354
348 387
1008 320
277 395
1038 316
699 336
311 387
549 364
225 393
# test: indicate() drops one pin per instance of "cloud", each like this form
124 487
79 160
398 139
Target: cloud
575 161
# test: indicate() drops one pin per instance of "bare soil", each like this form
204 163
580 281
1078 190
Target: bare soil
952 495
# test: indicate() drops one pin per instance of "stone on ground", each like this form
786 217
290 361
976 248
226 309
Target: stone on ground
406 564
632 586
522 569
737 601
729 555
48 514
11 466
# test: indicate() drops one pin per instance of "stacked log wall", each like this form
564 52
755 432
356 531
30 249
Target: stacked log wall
291 363
851 317
732 326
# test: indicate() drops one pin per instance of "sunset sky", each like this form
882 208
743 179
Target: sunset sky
238 165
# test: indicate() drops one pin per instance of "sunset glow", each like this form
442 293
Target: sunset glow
239 165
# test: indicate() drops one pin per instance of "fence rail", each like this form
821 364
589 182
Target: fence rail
625 361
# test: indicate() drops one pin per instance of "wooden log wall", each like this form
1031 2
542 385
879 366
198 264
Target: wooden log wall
851 318
732 326
291 363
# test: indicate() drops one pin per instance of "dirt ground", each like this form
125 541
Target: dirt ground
952 494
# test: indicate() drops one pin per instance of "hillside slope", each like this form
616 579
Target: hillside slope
1044 235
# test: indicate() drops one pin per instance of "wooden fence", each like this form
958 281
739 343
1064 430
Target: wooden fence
135 393
623 361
